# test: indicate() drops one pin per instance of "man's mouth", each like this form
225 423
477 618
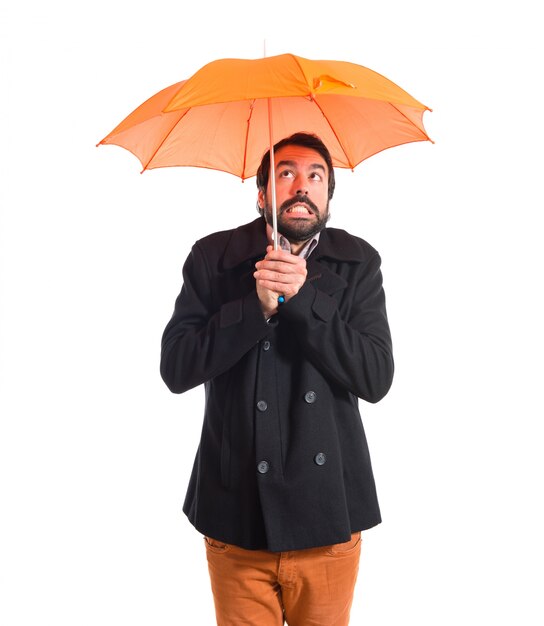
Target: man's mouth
299 210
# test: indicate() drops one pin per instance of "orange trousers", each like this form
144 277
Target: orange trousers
312 587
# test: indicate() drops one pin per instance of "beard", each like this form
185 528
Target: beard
298 230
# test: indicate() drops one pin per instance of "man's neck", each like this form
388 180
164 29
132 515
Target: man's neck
297 246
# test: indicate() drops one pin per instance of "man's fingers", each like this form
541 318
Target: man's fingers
286 289
281 266
284 256
280 277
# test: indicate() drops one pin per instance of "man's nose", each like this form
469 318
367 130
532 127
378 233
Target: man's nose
301 186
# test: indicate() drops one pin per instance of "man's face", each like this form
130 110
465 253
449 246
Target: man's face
302 193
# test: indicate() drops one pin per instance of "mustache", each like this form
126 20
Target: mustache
299 198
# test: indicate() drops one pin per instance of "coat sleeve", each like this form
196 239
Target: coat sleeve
200 342
353 350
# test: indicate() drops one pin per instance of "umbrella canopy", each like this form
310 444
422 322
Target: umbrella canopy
219 118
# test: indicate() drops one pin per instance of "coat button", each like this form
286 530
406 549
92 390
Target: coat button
320 458
261 405
263 467
266 345
310 397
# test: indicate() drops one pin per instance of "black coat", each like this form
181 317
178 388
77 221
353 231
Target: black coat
283 462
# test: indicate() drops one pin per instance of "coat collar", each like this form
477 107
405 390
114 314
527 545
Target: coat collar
249 242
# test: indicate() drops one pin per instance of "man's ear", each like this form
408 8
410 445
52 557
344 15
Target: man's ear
260 199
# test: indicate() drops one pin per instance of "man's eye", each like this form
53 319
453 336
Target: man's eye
315 176
286 174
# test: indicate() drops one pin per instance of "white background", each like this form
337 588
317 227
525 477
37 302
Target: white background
95 453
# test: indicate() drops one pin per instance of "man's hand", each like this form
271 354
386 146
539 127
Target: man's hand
279 273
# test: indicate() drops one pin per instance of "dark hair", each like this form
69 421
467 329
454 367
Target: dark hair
306 140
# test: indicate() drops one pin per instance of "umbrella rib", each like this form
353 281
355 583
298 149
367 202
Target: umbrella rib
161 143
301 70
251 106
333 132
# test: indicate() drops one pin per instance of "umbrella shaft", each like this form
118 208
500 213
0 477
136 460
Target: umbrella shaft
272 178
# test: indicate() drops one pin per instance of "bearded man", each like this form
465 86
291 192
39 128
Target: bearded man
282 484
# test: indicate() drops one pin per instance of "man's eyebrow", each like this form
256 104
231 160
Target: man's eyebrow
315 166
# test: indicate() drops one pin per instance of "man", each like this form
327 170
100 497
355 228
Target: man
282 484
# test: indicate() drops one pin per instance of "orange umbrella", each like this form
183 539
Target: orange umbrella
232 110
